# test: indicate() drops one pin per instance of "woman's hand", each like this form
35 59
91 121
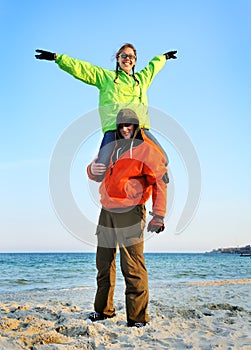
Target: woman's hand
170 54
46 55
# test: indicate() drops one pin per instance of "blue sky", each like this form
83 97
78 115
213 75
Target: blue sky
206 90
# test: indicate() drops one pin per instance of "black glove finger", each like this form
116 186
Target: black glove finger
40 56
170 55
158 230
151 228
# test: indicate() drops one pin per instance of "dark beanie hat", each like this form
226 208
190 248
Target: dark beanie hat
127 115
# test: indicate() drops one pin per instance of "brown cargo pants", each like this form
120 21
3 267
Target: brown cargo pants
125 230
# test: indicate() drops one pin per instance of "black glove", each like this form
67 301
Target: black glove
170 54
156 224
45 55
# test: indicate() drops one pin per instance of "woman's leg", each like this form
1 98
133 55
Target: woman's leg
106 148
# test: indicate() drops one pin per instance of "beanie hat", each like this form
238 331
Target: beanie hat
127 115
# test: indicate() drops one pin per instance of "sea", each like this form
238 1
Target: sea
26 272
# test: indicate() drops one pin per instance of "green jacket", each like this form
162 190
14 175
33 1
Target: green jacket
125 93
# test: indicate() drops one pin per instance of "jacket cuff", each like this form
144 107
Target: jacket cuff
157 212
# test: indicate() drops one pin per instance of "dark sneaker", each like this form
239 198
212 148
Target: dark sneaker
136 324
96 316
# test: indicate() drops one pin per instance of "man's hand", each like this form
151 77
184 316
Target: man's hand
170 54
156 224
98 169
45 55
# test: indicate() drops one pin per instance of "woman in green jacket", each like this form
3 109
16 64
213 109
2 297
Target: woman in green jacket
119 88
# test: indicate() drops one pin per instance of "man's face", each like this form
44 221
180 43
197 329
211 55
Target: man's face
126 130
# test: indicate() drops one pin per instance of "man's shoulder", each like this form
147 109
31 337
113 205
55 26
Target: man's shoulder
151 146
149 152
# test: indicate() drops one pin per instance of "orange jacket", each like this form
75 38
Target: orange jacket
139 173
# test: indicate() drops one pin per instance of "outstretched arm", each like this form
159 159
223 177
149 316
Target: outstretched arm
147 74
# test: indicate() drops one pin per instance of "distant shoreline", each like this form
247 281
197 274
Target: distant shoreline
214 251
243 251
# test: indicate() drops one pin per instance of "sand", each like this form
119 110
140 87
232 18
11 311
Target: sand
203 315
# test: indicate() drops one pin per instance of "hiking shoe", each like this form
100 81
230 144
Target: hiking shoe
96 316
136 324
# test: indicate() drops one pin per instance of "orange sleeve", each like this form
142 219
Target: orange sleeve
156 174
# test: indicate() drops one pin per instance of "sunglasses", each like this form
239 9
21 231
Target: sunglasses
124 125
130 56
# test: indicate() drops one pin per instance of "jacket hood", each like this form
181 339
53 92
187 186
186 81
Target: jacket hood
127 115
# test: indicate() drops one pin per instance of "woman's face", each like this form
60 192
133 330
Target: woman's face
127 59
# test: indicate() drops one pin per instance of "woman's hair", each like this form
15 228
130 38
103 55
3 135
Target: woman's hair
117 64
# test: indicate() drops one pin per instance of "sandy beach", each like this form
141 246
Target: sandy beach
203 315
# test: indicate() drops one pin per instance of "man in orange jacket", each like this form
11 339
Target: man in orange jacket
137 172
